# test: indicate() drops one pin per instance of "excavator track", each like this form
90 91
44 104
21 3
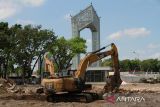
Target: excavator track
85 97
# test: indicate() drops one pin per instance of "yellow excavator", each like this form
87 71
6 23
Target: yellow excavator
49 65
72 87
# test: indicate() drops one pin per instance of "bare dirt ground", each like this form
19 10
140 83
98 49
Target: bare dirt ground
150 92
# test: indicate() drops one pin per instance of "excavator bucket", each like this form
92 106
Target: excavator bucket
112 83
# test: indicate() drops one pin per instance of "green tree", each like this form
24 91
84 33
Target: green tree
21 44
106 62
125 65
135 64
64 50
150 65
5 47
158 66
31 41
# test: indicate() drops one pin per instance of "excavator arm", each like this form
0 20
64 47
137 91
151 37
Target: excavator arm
49 66
88 61
115 80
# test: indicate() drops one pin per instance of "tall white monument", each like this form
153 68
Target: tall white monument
87 18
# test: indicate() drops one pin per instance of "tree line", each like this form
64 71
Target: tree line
147 65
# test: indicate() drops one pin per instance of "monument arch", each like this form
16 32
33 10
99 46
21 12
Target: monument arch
86 18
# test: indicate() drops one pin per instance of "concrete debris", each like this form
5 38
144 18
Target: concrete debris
150 80
7 86
1 85
124 83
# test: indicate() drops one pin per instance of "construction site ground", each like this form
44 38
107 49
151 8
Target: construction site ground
28 98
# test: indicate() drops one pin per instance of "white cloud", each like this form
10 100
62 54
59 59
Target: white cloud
116 35
136 32
32 2
132 32
9 8
155 55
153 46
24 22
145 53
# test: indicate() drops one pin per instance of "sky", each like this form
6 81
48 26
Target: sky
133 25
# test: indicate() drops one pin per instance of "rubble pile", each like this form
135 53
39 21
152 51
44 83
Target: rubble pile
150 80
7 86
2 90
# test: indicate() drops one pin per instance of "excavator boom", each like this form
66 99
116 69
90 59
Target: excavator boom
97 55
49 66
